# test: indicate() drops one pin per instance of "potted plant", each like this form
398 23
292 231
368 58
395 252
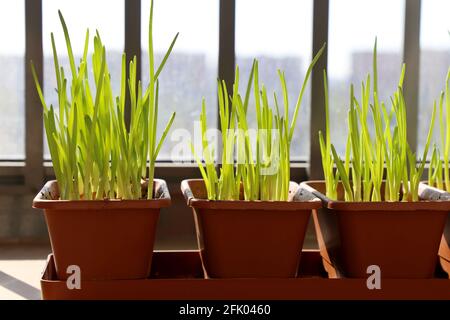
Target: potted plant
372 213
438 186
103 208
249 217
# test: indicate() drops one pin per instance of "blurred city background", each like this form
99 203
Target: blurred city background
279 36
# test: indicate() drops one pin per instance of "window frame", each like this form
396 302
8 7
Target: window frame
30 174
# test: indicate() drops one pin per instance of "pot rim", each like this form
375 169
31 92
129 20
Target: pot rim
296 203
42 201
438 206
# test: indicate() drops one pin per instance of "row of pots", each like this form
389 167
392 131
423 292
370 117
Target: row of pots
113 239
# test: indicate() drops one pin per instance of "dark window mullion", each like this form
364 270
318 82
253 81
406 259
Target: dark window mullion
132 42
227 58
320 36
34 169
411 57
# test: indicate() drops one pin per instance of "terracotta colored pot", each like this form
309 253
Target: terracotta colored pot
431 193
402 238
107 239
250 239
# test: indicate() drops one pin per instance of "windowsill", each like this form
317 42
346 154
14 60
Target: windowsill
12 174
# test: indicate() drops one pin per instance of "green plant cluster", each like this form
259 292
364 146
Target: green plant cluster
94 154
97 155
379 164
439 171
265 173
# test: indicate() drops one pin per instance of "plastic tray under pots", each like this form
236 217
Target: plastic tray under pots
107 239
249 239
178 275
402 238
434 194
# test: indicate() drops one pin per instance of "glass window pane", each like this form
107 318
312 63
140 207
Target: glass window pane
190 72
110 25
434 61
280 37
12 82
353 26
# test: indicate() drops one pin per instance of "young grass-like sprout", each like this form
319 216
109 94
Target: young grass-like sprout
438 166
435 170
446 144
375 153
264 174
94 155
331 178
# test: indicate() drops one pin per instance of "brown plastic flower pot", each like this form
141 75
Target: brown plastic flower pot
434 194
250 239
402 238
107 239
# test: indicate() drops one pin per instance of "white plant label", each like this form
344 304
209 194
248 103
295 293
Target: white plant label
74 280
374 279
